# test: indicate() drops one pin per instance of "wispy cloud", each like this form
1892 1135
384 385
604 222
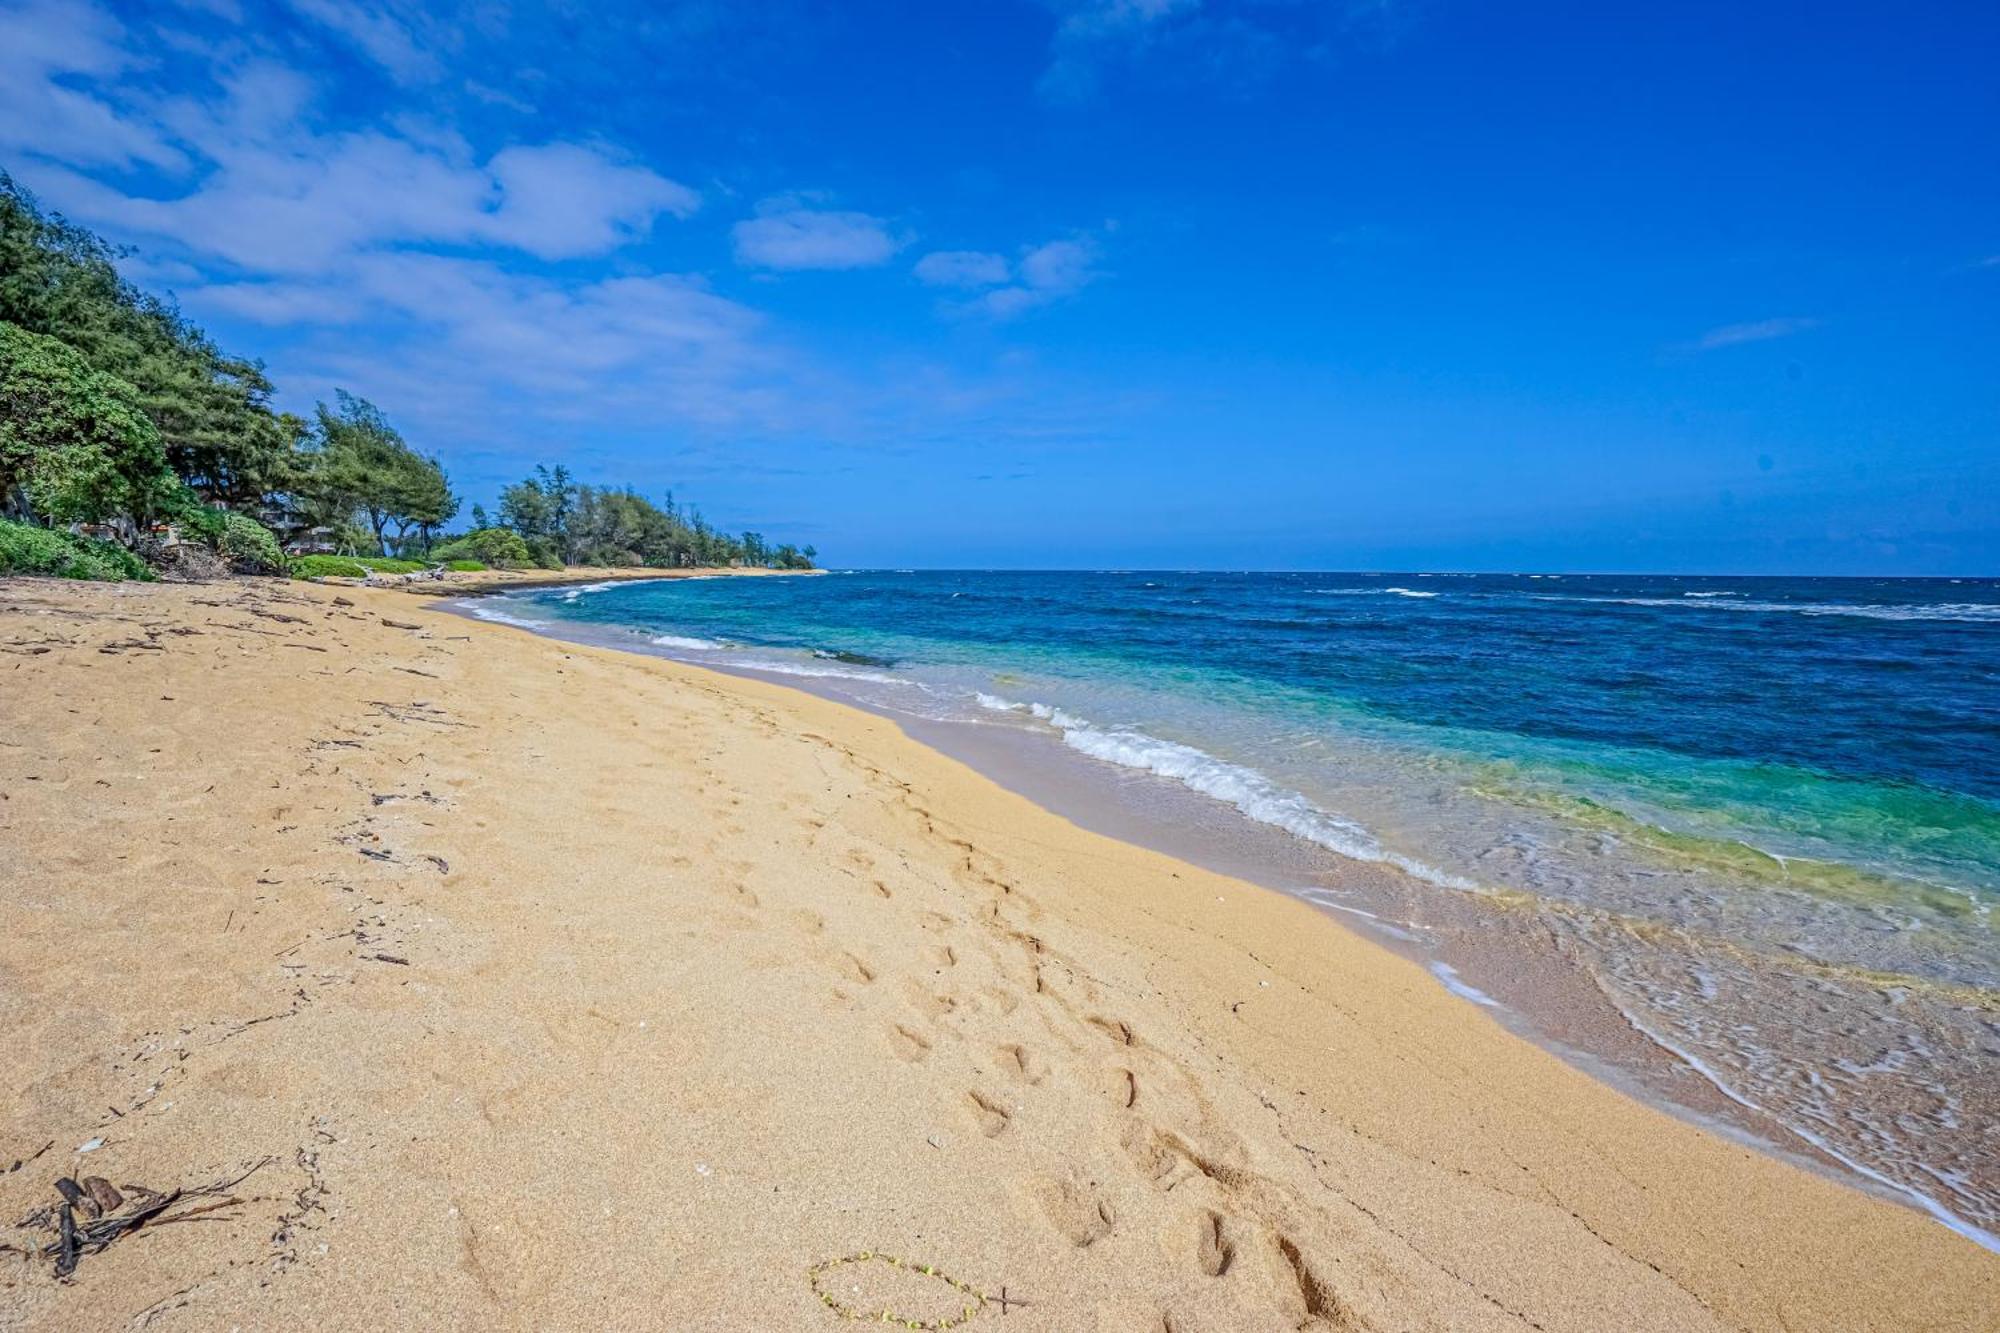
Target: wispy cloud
250 175
46 46
1090 30
383 37
786 234
963 268
1042 274
1762 330
1226 45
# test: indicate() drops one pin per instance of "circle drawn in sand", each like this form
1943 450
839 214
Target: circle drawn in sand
890 1317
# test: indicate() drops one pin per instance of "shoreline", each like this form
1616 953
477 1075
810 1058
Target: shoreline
694 981
1545 996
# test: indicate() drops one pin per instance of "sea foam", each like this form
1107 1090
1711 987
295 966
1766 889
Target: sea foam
1255 795
1977 612
487 611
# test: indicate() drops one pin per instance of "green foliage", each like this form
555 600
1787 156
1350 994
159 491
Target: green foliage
248 546
25 549
328 567
464 566
211 410
496 547
73 439
359 462
382 564
587 525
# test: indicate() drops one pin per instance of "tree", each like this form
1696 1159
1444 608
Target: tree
362 464
73 440
427 502
211 411
525 509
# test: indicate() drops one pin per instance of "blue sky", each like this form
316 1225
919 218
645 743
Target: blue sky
1232 283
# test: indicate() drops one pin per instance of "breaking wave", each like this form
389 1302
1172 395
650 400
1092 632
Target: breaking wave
1255 795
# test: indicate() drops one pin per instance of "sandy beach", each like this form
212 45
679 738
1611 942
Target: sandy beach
497 982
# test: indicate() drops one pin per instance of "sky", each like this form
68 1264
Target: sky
1335 284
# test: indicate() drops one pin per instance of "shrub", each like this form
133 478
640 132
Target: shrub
328 567
495 547
31 550
384 564
545 553
464 566
249 546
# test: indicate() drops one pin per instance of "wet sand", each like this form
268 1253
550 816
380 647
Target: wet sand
547 986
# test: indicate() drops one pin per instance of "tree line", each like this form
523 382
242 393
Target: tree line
563 522
120 417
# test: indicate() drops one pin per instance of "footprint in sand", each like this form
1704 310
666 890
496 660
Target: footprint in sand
1020 1063
1213 1250
908 1043
992 1117
1074 1210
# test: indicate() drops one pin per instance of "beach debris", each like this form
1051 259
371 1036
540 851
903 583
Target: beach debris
390 958
94 1213
978 1300
91 1146
399 624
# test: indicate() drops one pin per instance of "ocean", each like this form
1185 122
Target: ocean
1735 841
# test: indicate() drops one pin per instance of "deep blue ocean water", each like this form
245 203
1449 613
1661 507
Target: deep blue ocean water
1758 806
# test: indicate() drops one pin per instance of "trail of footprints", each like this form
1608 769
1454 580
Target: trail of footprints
986 966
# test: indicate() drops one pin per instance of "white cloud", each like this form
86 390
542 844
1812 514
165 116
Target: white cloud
562 200
281 197
963 268
269 190
787 235
1730 335
378 34
45 41
1044 273
1090 28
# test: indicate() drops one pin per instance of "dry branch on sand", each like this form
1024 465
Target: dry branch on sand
93 1213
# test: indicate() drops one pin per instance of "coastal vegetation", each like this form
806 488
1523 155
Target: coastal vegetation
131 444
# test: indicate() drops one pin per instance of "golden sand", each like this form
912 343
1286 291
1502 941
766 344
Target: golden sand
560 988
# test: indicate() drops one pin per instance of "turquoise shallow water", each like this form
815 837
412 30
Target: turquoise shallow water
1767 812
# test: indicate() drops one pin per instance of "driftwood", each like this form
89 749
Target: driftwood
94 1213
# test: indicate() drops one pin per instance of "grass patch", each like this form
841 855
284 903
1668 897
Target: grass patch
464 566
328 567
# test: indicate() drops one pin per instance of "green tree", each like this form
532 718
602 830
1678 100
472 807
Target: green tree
211 410
73 440
361 464
427 502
